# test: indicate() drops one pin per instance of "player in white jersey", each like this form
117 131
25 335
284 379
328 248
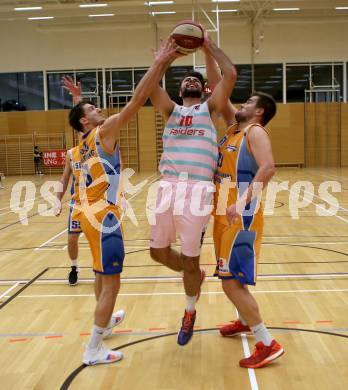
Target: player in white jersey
190 150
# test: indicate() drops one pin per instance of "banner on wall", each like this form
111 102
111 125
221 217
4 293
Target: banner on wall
54 158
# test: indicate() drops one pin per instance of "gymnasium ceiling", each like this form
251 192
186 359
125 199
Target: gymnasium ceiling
127 12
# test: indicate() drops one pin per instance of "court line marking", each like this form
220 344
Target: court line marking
50 239
152 294
321 207
35 200
246 350
72 376
170 279
148 332
4 294
37 197
12 297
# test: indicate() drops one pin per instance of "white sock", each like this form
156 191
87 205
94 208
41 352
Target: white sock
96 337
191 303
262 334
74 263
242 320
112 321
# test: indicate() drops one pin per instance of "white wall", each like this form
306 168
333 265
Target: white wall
25 46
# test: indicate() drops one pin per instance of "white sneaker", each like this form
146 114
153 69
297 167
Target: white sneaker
115 320
101 355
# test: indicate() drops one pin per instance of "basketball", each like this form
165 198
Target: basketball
188 35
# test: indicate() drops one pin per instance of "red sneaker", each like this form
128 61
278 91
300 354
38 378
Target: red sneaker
234 329
202 280
263 355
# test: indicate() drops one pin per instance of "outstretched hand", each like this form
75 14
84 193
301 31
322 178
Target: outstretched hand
69 85
167 51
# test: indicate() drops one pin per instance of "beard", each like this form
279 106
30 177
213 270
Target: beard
191 93
240 117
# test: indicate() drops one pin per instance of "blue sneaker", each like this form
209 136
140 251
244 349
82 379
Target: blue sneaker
186 331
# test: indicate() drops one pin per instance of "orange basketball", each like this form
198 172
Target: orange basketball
188 35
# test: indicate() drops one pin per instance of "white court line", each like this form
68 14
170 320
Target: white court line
321 207
178 279
49 240
246 350
251 371
152 294
36 200
4 294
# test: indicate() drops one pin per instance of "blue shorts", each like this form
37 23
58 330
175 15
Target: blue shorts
238 250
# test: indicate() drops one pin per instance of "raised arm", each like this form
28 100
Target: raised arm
159 97
214 77
64 179
74 89
110 130
223 89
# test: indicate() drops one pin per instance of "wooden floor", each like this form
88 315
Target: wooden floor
302 291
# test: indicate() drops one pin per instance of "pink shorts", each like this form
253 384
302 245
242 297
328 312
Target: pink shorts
183 209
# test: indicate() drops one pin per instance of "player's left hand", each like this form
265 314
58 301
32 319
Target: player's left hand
69 85
232 215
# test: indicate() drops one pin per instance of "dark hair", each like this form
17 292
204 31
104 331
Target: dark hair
268 104
76 113
193 73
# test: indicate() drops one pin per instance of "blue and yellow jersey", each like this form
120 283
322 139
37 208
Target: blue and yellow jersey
237 164
100 170
73 155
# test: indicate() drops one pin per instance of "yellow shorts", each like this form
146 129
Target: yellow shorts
102 228
237 250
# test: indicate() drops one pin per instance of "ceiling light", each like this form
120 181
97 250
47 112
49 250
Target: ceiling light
162 12
341 8
42 18
225 1
286 9
27 8
100 15
225 10
149 3
93 5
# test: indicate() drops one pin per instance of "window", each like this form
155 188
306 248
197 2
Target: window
268 78
321 75
338 78
21 91
119 81
297 81
92 86
58 97
242 88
